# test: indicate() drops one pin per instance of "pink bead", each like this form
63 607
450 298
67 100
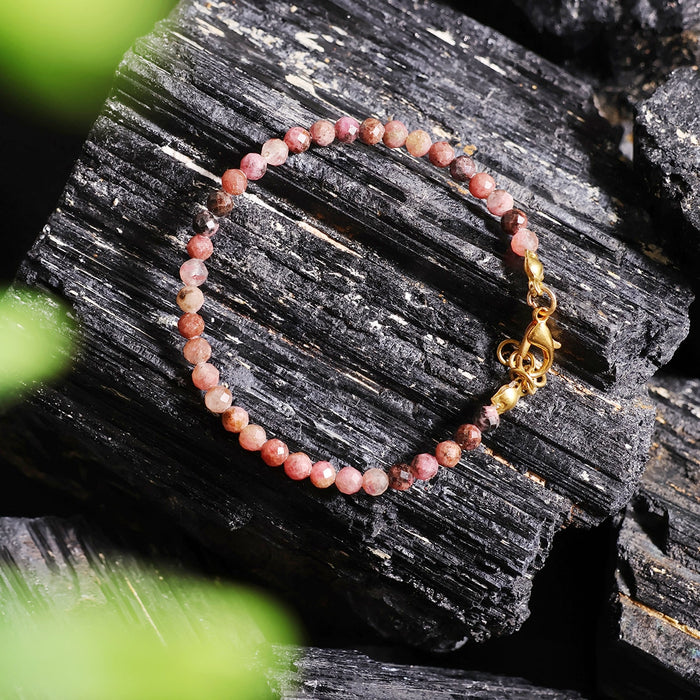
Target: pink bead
418 143
448 453
252 437
487 418
395 134
322 132
375 481
297 139
424 466
274 452
322 474
524 240
234 181
347 129
190 299
196 350
441 154
200 247
481 185
205 376
193 272
297 466
274 151
234 419
348 480
253 165
218 399
499 202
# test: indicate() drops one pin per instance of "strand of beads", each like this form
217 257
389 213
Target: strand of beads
197 351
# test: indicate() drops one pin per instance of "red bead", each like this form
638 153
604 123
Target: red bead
322 132
252 437
253 165
468 436
347 129
441 154
274 452
481 185
424 466
524 240
499 202
348 480
322 474
200 247
196 350
371 131
418 143
205 376
190 299
190 325
275 151
448 453
297 139
462 169
400 477
234 419
395 134
512 221
234 181
375 482
487 418
298 466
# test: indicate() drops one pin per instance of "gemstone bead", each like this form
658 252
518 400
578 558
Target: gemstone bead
196 350
218 399
375 481
524 240
234 419
190 325
481 185
190 299
275 151
424 466
298 466
418 143
193 272
400 476
348 480
274 452
487 418
322 474
220 203
297 139
462 169
448 453
513 220
371 131
441 154
395 134
347 129
253 165
234 181
252 437
468 436
200 247
322 132
205 376
205 222
499 202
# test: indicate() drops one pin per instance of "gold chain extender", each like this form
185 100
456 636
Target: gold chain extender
527 370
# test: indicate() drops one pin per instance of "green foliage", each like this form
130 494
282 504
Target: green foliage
36 338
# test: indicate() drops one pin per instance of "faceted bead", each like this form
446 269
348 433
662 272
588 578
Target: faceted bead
462 169
200 247
218 399
418 143
205 222
220 203
512 221
190 299
400 476
448 453
347 129
205 376
322 132
322 474
487 418
524 240
375 481
371 131
190 325
298 466
252 437
275 151
499 202
196 350
234 419
348 480
424 466
274 452
297 139
468 436
234 181
193 272
395 134
253 165
481 185
441 154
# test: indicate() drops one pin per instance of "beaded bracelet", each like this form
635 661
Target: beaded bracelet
528 360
